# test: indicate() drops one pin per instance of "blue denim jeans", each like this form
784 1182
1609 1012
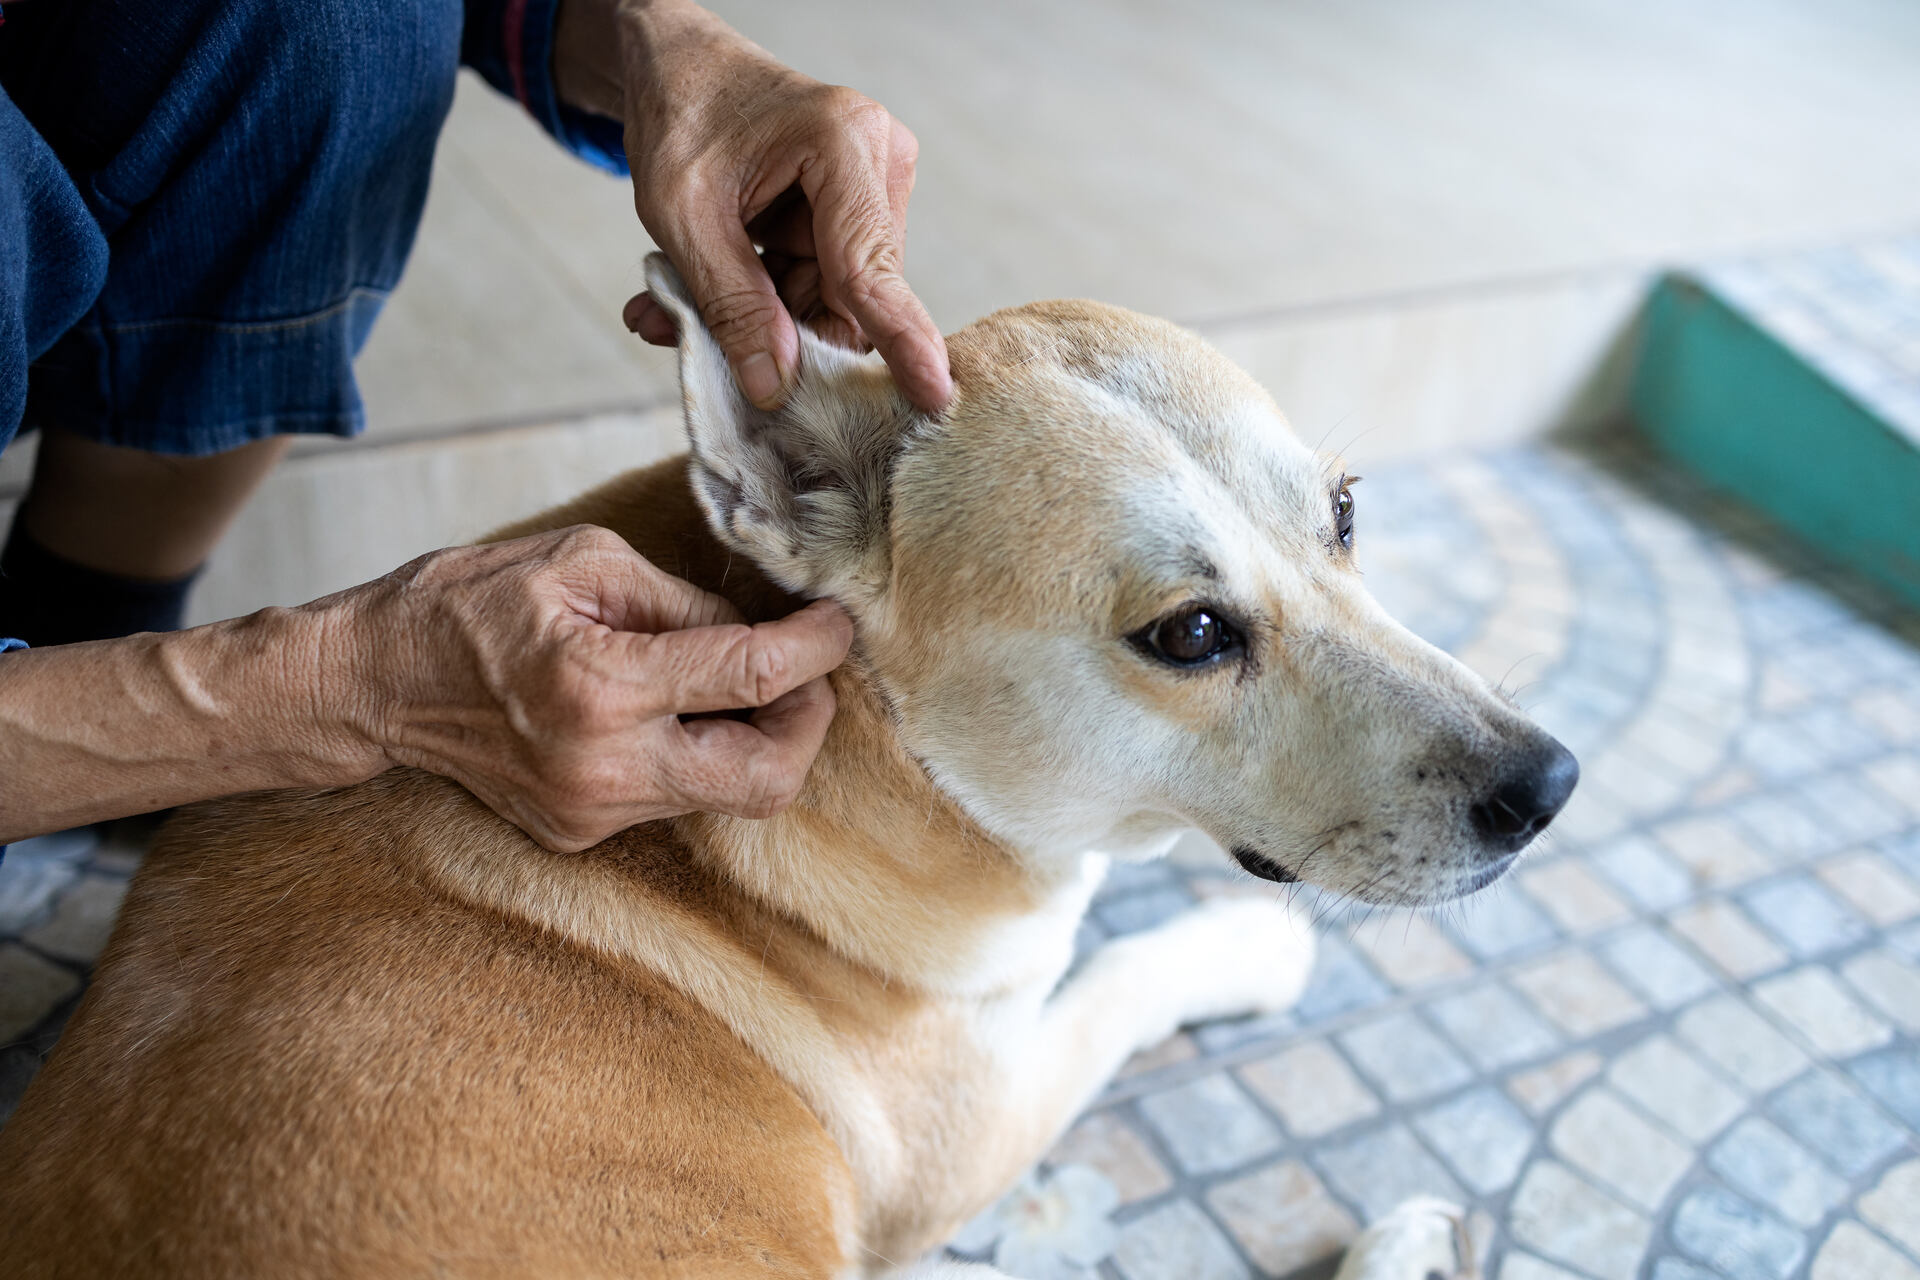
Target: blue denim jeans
204 203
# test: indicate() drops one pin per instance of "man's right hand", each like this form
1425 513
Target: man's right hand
548 676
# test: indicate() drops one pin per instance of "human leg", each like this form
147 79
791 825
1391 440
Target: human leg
258 170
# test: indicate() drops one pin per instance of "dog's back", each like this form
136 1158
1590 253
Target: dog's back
257 1051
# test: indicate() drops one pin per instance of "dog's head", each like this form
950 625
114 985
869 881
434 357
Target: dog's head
1109 595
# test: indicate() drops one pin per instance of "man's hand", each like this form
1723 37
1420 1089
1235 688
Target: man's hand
731 150
548 676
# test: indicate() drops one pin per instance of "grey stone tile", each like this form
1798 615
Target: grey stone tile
1737 1239
1725 935
1871 885
1132 877
28 887
1762 1162
1675 1269
1835 1120
1209 1125
1741 1043
1803 914
1500 923
1543 1088
1403 1058
1176 1242
1132 912
1675 1088
1893 1076
81 920
30 989
1645 872
1232 1033
1777 753
1341 983
1656 967
1481 1135
1608 1141
1493 1027
1560 1215
1380 1169
18 1066
1849 806
1785 827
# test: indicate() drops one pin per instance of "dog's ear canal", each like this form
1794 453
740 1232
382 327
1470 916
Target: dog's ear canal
802 490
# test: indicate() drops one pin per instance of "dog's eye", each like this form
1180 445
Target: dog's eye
1191 635
1343 514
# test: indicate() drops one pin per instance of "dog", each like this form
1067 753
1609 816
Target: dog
1103 598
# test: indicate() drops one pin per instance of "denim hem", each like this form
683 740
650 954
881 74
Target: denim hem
199 386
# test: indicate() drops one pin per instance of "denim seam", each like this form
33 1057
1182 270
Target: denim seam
354 295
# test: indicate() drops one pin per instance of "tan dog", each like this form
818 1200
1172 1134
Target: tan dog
1107 596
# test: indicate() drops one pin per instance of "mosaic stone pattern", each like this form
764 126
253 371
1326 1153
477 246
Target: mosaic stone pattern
1681 1040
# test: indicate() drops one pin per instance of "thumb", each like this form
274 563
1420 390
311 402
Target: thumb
740 305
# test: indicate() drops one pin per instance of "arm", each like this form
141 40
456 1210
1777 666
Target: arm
547 675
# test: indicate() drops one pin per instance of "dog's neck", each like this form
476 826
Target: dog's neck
888 870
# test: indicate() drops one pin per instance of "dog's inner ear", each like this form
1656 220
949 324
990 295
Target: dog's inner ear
801 490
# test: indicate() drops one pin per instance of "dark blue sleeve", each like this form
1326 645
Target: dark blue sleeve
510 43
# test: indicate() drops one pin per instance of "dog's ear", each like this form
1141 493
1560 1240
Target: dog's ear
802 490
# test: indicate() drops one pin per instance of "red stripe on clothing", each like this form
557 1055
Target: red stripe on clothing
514 17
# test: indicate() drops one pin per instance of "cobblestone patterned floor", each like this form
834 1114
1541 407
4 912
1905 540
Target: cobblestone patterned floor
1681 1040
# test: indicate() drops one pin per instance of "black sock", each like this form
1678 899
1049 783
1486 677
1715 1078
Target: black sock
47 599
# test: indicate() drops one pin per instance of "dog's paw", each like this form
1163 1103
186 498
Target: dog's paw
1239 956
1422 1239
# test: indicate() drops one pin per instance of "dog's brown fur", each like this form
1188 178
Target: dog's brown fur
379 1032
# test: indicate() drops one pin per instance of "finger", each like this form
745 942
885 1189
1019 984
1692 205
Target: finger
737 299
903 158
853 227
650 320
727 668
609 583
799 283
753 770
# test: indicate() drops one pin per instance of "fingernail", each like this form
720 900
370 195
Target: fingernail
760 379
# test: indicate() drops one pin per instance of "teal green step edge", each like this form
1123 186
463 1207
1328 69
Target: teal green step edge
1741 408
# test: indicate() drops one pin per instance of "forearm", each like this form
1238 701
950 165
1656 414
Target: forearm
96 731
600 47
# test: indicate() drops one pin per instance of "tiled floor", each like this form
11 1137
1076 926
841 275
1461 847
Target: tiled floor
1681 1040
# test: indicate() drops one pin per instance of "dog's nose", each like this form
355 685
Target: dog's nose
1522 804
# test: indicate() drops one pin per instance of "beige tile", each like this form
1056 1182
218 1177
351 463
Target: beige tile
1812 1002
1894 1206
1311 1088
1719 931
1177 1048
1283 1217
1411 952
1852 1251
1576 994
1105 1142
1573 896
1890 984
1713 849
1872 886
1601 1135
1543 1088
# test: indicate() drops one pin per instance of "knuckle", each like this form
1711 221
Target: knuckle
765 674
737 314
